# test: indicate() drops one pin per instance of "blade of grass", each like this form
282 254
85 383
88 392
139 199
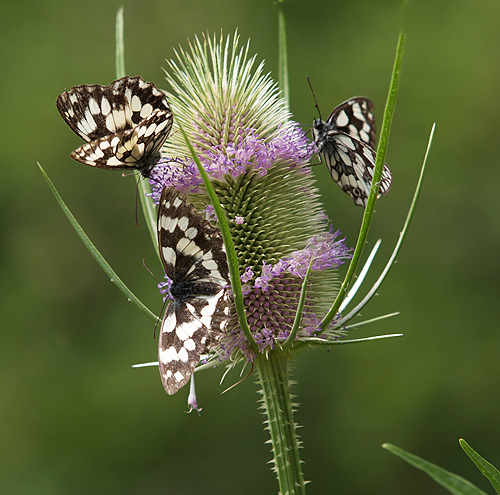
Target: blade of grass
232 260
119 44
369 210
96 254
282 53
487 470
452 482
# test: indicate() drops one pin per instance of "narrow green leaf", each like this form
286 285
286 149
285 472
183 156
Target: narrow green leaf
452 482
488 470
360 278
300 308
232 260
402 236
323 342
377 174
96 254
371 320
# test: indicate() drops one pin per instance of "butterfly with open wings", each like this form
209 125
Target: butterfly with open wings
193 257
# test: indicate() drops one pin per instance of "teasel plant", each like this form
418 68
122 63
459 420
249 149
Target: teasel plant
240 159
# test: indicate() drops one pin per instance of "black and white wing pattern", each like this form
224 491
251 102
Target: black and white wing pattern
125 124
346 142
194 259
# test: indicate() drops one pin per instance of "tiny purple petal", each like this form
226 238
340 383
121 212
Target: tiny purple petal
311 324
325 251
163 287
248 275
262 282
210 213
192 402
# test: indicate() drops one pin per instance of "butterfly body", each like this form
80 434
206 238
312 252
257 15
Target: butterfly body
193 257
124 124
346 142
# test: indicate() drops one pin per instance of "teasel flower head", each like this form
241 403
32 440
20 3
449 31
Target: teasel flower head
258 159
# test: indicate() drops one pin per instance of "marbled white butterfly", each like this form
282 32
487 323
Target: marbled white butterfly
346 142
125 124
194 260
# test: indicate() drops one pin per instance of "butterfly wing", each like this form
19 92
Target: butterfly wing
355 117
351 164
141 97
124 124
136 148
93 111
193 257
346 141
189 328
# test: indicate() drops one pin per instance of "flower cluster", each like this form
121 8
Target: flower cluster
248 150
257 159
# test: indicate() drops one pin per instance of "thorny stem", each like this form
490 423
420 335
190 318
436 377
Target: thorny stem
278 409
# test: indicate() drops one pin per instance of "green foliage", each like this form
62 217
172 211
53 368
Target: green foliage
452 482
72 409
390 108
96 254
488 470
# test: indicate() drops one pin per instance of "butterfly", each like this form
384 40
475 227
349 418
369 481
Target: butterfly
346 142
193 257
125 124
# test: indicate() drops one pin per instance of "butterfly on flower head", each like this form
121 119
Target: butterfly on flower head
124 124
346 143
193 257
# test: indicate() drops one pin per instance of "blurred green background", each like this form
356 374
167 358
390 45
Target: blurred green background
76 419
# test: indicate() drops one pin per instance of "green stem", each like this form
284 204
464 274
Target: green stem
119 44
148 207
300 309
282 53
148 210
278 409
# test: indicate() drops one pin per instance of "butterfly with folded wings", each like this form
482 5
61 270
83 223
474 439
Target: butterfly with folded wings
124 124
346 143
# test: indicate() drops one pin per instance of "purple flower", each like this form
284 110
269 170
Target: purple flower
257 159
289 146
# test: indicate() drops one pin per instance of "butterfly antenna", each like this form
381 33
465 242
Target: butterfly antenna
150 272
159 320
163 307
314 96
